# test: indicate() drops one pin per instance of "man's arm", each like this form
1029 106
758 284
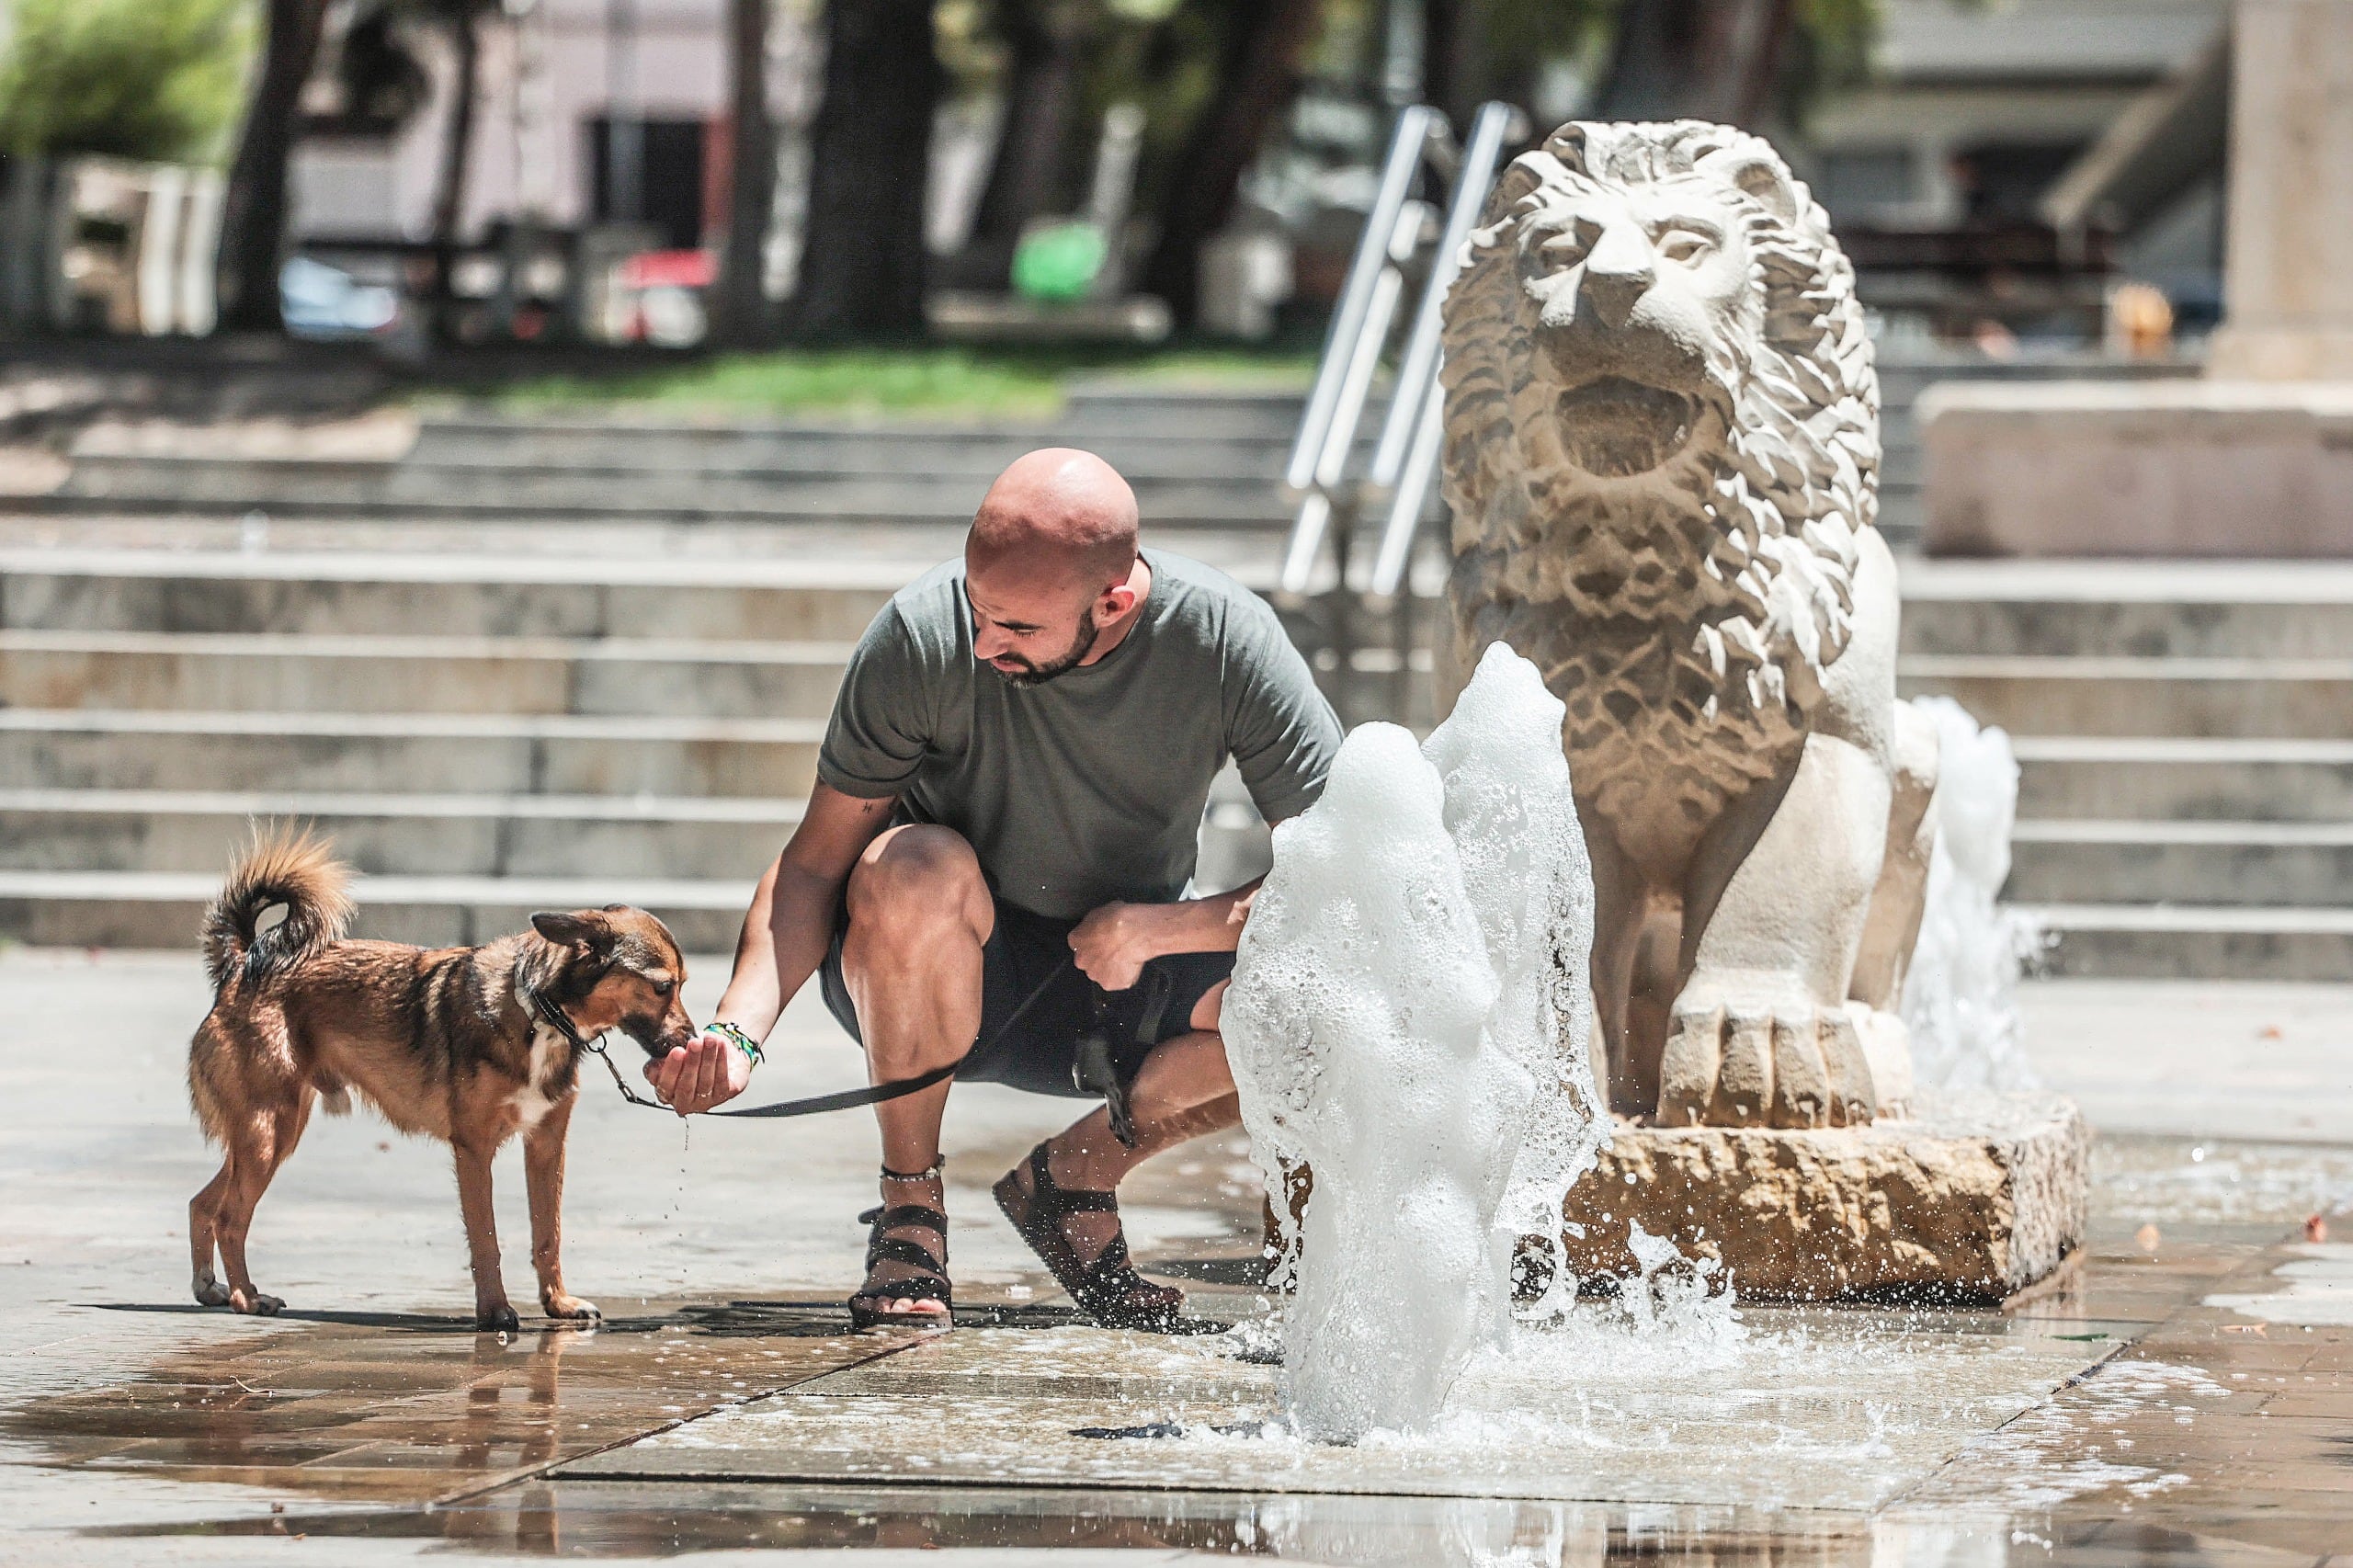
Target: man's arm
785 933
1114 943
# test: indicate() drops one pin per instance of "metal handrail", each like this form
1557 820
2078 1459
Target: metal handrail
1406 454
1355 384
1406 148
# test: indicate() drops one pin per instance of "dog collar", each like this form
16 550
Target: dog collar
552 1016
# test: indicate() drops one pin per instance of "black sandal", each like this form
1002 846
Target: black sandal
1109 1290
930 1285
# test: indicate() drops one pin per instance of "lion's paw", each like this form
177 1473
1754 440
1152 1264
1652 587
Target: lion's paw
1730 1064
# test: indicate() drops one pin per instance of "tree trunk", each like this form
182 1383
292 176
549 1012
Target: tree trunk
253 225
862 265
1451 47
1717 59
1258 77
740 317
1043 38
457 138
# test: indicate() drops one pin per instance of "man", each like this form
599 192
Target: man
1004 823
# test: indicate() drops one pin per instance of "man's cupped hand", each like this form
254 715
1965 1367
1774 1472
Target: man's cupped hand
692 1078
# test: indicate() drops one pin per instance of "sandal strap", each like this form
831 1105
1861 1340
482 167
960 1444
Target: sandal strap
893 1216
913 1287
894 1249
1053 1201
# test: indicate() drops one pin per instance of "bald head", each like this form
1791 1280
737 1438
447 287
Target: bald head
1057 512
1050 570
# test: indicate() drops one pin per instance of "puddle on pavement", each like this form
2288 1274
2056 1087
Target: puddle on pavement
597 1520
407 1408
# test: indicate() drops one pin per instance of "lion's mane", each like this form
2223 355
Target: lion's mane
1685 620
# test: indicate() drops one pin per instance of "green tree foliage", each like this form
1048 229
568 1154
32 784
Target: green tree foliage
136 78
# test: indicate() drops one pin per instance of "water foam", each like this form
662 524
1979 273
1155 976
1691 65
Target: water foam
1409 1018
1961 992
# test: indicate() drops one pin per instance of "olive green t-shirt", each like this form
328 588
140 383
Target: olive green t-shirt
1088 789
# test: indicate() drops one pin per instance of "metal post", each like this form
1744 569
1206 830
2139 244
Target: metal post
624 125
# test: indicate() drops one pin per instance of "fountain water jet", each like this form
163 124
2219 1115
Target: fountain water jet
1959 995
1409 1017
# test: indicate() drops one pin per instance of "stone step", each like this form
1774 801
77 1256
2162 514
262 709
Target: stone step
298 487
2156 779
2129 609
803 453
2238 864
300 671
2234 698
378 593
399 753
2189 941
400 834
161 909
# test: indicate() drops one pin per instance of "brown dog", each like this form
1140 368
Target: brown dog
445 1042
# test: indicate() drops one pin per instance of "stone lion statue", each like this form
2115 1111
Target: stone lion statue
1661 453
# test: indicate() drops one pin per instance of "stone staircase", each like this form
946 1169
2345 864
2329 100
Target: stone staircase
1198 462
532 664
2185 737
486 735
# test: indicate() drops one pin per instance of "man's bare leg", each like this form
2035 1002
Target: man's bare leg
919 912
1183 1091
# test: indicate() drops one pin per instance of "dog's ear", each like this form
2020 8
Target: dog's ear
586 927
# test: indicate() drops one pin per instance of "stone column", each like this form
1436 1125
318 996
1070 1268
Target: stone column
2288 265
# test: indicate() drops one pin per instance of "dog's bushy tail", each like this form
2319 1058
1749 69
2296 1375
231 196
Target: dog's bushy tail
282 866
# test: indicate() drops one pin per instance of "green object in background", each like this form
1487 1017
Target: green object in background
1058 264
150 79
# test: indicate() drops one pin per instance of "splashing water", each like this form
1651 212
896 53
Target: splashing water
1409 1018
1961 993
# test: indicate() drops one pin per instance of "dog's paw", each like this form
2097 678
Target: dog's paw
571 1308
255 1303
209 1292
500 1319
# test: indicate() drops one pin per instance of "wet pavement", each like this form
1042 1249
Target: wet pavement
2177 1395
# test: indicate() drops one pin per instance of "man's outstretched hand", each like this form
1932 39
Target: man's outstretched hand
692 1078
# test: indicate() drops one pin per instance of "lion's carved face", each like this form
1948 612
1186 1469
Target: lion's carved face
1661 443
1632 291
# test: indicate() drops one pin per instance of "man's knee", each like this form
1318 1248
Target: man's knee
917 883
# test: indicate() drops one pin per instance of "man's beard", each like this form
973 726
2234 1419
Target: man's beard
1038 675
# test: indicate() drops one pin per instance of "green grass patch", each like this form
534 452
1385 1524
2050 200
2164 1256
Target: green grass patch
876 383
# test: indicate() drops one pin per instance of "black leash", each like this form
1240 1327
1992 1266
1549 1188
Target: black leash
814 1105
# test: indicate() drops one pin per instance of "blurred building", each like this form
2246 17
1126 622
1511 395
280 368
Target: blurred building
1940 172
586 112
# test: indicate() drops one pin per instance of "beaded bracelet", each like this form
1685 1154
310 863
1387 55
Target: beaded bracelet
737 1038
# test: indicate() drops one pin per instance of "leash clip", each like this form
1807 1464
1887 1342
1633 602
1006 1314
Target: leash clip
1094 1071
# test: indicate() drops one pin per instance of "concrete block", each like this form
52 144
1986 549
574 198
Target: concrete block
2203 468
1974 1201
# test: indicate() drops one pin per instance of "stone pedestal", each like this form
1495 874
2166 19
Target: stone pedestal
1973 1201
2287 284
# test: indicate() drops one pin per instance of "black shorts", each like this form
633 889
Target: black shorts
1027 957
